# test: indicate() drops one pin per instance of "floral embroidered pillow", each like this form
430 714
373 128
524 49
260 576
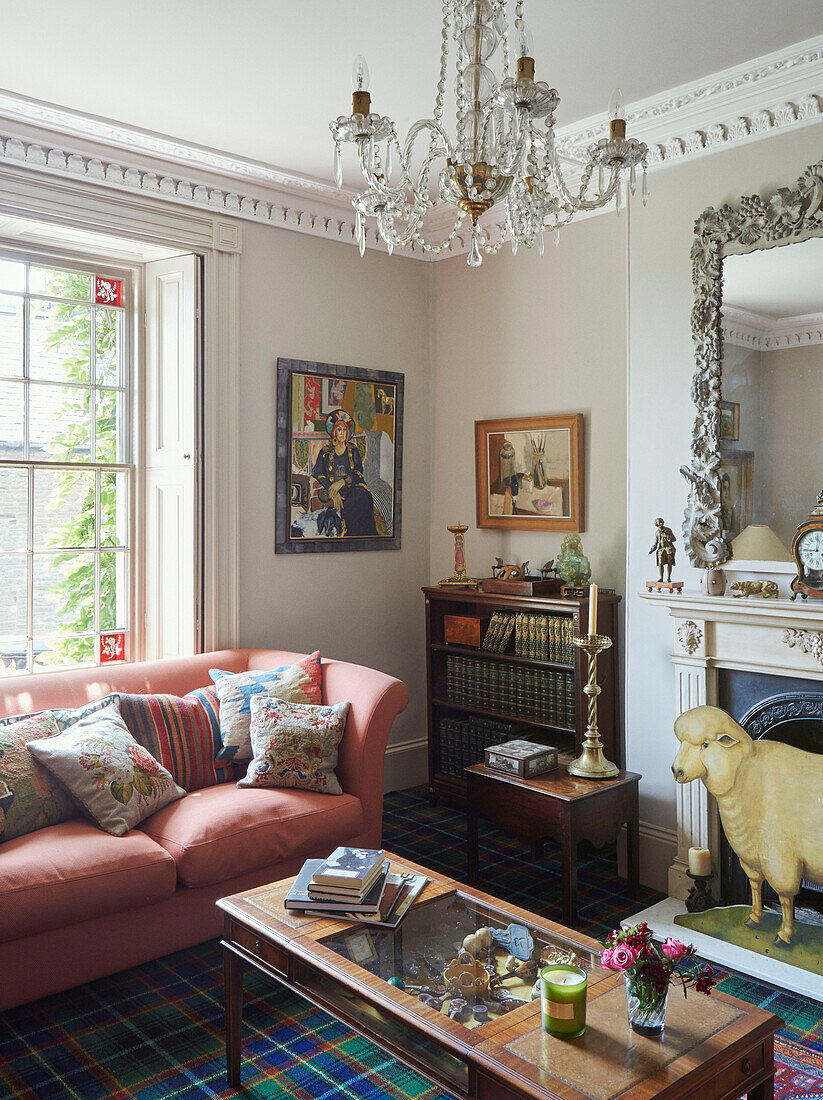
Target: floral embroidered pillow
295 745
30 797
299 683
116 780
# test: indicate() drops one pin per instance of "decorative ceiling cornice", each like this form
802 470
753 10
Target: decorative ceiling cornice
741 104
747 329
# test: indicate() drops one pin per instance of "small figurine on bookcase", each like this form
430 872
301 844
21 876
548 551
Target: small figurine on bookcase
664 556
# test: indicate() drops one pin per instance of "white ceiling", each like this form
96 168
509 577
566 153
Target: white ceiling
777 282
262 78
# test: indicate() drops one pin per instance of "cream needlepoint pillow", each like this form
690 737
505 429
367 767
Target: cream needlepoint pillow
116 780
30 797
298 683
295 745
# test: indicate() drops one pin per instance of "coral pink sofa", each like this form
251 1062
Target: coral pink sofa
77 903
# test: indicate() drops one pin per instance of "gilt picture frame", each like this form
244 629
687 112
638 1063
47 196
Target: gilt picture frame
529 473
736 490
339 458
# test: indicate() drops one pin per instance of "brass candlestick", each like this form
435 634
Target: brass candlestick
592 764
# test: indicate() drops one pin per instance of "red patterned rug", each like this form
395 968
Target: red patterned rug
798 1072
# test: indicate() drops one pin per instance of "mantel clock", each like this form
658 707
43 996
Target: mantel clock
807 551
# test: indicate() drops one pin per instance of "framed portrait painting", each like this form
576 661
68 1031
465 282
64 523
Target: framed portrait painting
730 421
529 473
736 491
339 458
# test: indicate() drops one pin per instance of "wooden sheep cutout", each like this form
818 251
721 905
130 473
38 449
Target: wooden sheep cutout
770 798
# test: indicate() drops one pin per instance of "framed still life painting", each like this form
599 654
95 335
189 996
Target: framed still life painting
529 473
339 458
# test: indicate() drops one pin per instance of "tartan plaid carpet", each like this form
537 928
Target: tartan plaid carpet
157 1031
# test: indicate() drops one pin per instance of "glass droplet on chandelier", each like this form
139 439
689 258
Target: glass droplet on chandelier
514 245
390 246
338 164
541 244
632 180
644 190
557 237
601 178
475 255
389 160
618 196
362 242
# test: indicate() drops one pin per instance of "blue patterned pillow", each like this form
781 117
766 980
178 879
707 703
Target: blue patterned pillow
297 683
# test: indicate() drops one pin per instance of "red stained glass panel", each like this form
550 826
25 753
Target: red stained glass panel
108 292
112 648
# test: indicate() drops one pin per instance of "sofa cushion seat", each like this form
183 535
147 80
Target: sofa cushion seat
74 871
220 832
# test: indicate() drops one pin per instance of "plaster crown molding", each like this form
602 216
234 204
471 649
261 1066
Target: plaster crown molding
759 332
744 103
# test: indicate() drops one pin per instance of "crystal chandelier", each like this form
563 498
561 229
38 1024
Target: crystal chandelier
503 149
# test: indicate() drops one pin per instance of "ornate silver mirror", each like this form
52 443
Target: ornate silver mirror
757 324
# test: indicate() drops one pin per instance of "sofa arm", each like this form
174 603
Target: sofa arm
376 700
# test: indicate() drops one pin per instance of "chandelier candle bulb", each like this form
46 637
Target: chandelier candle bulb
563 990
700 862
592 609
617 115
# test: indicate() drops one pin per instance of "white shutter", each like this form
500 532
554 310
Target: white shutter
170 438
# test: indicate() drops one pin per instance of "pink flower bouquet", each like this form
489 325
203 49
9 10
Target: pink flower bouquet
650 968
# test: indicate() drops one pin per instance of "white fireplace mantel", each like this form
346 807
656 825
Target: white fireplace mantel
777 636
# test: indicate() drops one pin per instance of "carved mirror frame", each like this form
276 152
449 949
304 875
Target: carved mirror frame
787 217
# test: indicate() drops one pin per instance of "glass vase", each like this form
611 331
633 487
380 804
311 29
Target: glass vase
646 1008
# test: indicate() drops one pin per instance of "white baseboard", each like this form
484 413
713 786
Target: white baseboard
658 847
406 765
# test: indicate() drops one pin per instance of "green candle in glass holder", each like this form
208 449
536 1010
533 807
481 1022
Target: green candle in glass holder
563 997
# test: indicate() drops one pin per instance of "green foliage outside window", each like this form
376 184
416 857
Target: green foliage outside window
72 331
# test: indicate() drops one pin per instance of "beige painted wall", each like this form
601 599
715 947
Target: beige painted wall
524 335
661 365
306 298
792 455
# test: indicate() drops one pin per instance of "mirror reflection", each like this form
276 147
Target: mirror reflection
772 410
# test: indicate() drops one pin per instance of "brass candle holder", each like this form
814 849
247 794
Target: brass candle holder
592 764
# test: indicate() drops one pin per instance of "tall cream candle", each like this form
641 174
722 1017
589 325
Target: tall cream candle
592 609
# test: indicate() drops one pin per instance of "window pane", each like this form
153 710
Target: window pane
114 503
11 335
60 335
109 426
59 423
107 347
11 419
60 284
13 603
49 652
113 591
63 508
14 503
12 275
63 593
108 291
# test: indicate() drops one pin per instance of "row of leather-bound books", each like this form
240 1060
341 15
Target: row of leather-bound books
540 637
463 741
543 695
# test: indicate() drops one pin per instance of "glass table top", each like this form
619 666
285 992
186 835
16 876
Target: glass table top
469 961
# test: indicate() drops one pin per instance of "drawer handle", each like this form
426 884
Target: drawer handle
258 946
746 1065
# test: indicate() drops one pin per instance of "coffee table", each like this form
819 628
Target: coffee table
713 1048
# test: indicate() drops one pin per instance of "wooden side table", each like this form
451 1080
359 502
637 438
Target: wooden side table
560 806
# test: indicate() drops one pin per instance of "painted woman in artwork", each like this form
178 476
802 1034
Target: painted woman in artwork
339 472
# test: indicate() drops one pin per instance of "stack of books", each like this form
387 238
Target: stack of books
354 884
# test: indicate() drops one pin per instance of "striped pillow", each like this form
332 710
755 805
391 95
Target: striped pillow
182 733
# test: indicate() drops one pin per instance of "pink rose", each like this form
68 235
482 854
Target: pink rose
673 949
623 957
606 959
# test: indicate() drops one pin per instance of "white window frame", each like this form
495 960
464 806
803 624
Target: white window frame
77 205
59 259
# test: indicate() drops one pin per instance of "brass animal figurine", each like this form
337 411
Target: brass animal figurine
766 589
770 798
